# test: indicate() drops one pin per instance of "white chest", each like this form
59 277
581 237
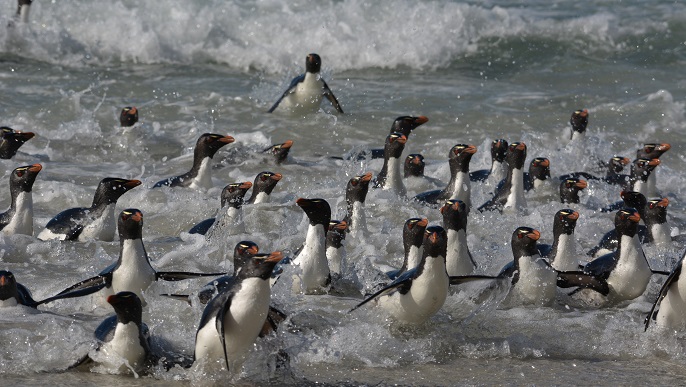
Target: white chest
8 302
125 347
359 219
642 187
228 223
458 260
335 258
661 233
566 258
537 282
515 198
22 221
312 260
631 275
101 228
462 189
672 312
498 173
414 257
307 94
134 274
261 197
203 180
394 181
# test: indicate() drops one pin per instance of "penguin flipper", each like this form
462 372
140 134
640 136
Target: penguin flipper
568 279
271 324
479 175
289 90
544 249
430 197
182 275
80 289
202 227
179 297
69 223
601 267
219 321
673 276
401 284
332 98
463 279
660 272
176 181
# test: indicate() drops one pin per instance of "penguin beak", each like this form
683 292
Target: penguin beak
367 177
132 184
341 226
635 217
581 184
25 135
654 162
3 281
287 144
470 149
245 185
253 250
423 222
133 111
573 216
35 168
137 216
664 147
226 139
416 160
421 120
276 176
545 163
664 202
534 234
274 257
433 237
624 160
402 139
520 146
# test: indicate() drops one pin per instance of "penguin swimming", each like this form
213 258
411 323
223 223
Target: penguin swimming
538 175
264 184
13 293
232 320
641 169
128 116
669 309
510 192
419 293
307 90
498 170
562 253
230 213
200 174
335 250
579 122
279 152
413 237
570 188
403 124
614 174
355 196
11 141
413 165
95 222
459 186
18 219
389 176
316 275
132 271
23 9
458 259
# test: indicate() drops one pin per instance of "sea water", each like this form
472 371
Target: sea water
479 70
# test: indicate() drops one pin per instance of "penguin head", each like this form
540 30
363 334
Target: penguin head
579 120
406 124
128 116
435 242
395 143
516 155
641 168
633 199
336 233
455 214
656 211
11 141
414 165
459 157
8 286
130 224
626 221
280 151
317 210
652 151
260 265
357 188
565 221
539 168
209 143
313 63
128 307
617 164
524 242
499 150
22 178
243 251
234 193
570 188
110 189
266 181
413 232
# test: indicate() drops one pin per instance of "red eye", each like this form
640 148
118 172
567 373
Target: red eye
20 173
353 182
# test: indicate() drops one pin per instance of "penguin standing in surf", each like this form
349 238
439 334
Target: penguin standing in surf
18 219
306 91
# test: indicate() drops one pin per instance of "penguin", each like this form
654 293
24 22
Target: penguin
279 152
413 237
626 270
23 9
498 169
316 275
669 309
95 222
355 196
389 176
614 174
459 186
419 293
562 253
641 169
510 192
11 141
18 219
652 150
579 122
231 218
12 293
657 229
569 190
124 340
200 174
413 165
306 90
459 260
232 320
335 250
263 186
609 241
402 124
539 173
132 271
128 116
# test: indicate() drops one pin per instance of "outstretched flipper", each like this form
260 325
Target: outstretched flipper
182 275
332 98
81 289
289 90
401 284
568 279
462 279
673 276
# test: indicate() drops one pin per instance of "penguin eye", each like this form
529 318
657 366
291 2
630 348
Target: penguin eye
354 182
20 173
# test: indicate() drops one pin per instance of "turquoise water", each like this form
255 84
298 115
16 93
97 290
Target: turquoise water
478 70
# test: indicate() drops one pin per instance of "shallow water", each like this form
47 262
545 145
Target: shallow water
478 70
